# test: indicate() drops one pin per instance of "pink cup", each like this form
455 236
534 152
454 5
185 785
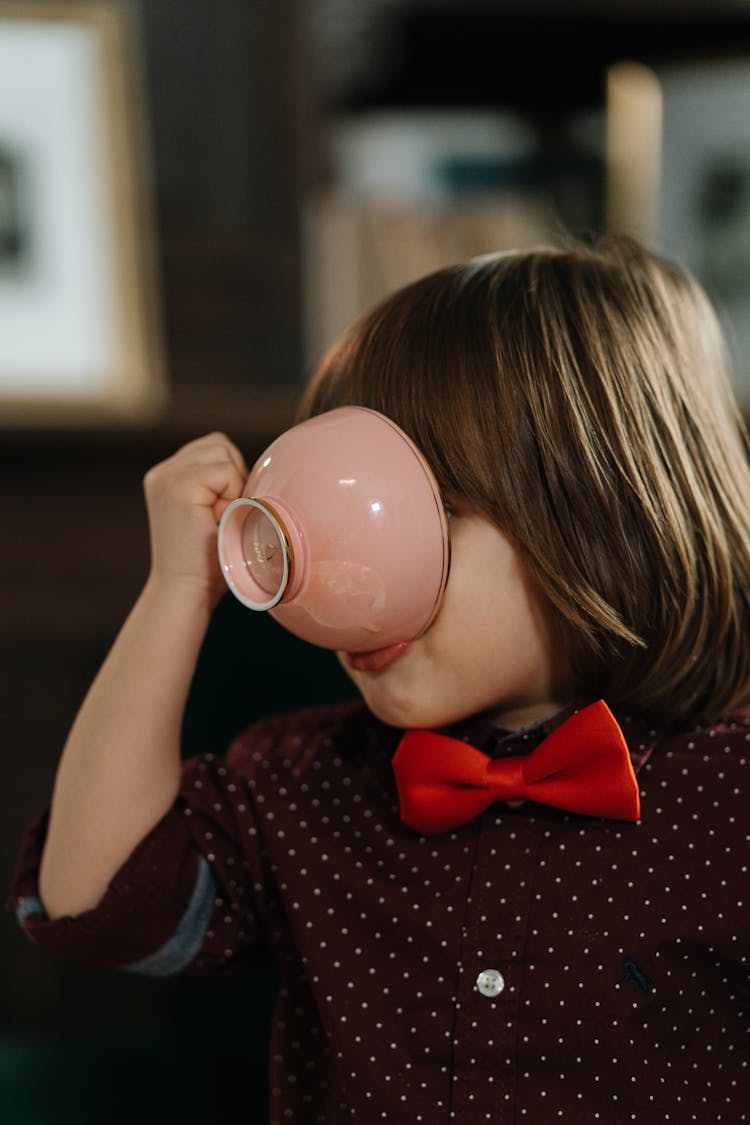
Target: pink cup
340 533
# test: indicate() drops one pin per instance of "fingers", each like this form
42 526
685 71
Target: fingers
185 496
210 447
208 468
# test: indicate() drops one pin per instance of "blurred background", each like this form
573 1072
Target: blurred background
195 198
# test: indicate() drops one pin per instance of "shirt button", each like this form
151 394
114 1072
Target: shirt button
490 982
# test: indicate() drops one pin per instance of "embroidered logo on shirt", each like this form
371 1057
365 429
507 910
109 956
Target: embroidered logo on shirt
635 975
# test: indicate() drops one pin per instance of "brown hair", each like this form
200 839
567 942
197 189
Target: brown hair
578 398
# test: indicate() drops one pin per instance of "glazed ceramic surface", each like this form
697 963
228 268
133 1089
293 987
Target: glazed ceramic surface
340 533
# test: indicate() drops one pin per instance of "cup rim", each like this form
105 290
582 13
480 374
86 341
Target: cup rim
227 565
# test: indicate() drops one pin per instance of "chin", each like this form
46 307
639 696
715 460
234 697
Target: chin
407 713
402 700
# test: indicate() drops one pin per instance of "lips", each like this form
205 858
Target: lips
378 660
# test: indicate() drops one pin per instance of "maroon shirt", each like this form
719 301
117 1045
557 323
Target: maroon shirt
532 966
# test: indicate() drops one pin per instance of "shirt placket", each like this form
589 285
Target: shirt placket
491 968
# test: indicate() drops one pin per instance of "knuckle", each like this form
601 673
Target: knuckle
214 437
153 478
149 477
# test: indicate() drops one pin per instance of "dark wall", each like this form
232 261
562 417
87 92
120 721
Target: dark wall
225 110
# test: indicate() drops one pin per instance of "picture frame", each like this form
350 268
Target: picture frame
80 325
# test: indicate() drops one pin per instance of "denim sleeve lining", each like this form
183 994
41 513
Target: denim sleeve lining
181 947
26 907
188 938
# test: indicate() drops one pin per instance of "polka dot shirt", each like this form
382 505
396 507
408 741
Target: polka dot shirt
532 966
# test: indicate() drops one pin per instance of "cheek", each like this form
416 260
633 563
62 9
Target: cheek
488 626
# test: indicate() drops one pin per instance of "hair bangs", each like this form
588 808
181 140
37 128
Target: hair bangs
402 361
578 398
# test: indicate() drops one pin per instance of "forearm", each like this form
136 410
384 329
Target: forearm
120 769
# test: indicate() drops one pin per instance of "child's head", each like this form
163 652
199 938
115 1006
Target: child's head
578 399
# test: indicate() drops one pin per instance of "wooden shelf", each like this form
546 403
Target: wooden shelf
541 58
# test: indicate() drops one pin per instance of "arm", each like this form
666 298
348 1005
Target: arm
120 768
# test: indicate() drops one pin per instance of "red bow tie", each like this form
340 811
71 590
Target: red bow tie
583 766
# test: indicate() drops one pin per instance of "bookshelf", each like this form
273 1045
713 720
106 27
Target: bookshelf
449 130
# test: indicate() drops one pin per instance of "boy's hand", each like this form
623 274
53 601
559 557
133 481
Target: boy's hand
121 768
185 497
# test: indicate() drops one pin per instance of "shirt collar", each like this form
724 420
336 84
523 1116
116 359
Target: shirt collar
485 733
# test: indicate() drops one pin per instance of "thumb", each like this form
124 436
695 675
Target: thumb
220 507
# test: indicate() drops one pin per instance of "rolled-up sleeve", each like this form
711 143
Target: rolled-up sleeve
181 902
